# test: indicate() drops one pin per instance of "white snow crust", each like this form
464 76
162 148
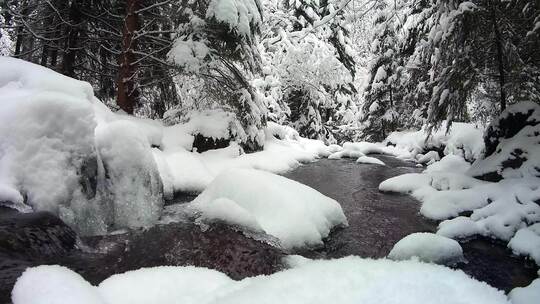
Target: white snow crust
427 247
342 281
294 213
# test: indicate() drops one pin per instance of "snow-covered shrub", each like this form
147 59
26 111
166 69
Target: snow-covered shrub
512 145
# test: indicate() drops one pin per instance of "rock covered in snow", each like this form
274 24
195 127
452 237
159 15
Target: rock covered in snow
512 145
50 161
427 247
292 212
340 281
46 140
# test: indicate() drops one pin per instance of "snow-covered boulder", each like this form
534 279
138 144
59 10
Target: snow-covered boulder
292 212
47 152
339 281
427 247
51 159
512 145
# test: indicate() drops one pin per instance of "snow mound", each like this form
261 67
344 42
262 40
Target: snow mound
527 242
228 211
185 171
53 284
369 160
294 213
428 247
46 137
449 163
340 281
360 149
512 145
462 139
164 285
526 295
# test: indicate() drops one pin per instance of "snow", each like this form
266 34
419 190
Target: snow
463 139
340 281
523 145
296 214
192 172
526 295
46 134
359 150
56 138
240 15
164 285
428 247
132 178
228 211
526 242
449 163
53 284
369 160
499 210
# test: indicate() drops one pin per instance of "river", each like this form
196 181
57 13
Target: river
376 222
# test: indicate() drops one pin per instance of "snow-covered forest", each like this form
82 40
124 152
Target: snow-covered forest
277 151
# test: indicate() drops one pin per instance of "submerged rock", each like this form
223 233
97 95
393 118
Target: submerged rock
215 246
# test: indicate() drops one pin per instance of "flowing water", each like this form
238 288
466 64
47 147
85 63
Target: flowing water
376 222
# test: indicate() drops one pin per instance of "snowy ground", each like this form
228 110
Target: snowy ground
346 280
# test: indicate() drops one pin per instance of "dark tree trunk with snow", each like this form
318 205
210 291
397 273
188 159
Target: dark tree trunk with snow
127 87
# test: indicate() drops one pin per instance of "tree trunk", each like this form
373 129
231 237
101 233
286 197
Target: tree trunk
71 44
127 88
500 58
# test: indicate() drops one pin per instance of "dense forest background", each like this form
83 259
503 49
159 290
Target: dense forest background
334 70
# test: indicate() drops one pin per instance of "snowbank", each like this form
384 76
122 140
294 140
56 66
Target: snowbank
505 208
346 280
498 209
463 139
188 171
53 284
527 242
428 247
512 145
296 214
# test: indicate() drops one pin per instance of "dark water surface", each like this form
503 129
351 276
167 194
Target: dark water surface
376 222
